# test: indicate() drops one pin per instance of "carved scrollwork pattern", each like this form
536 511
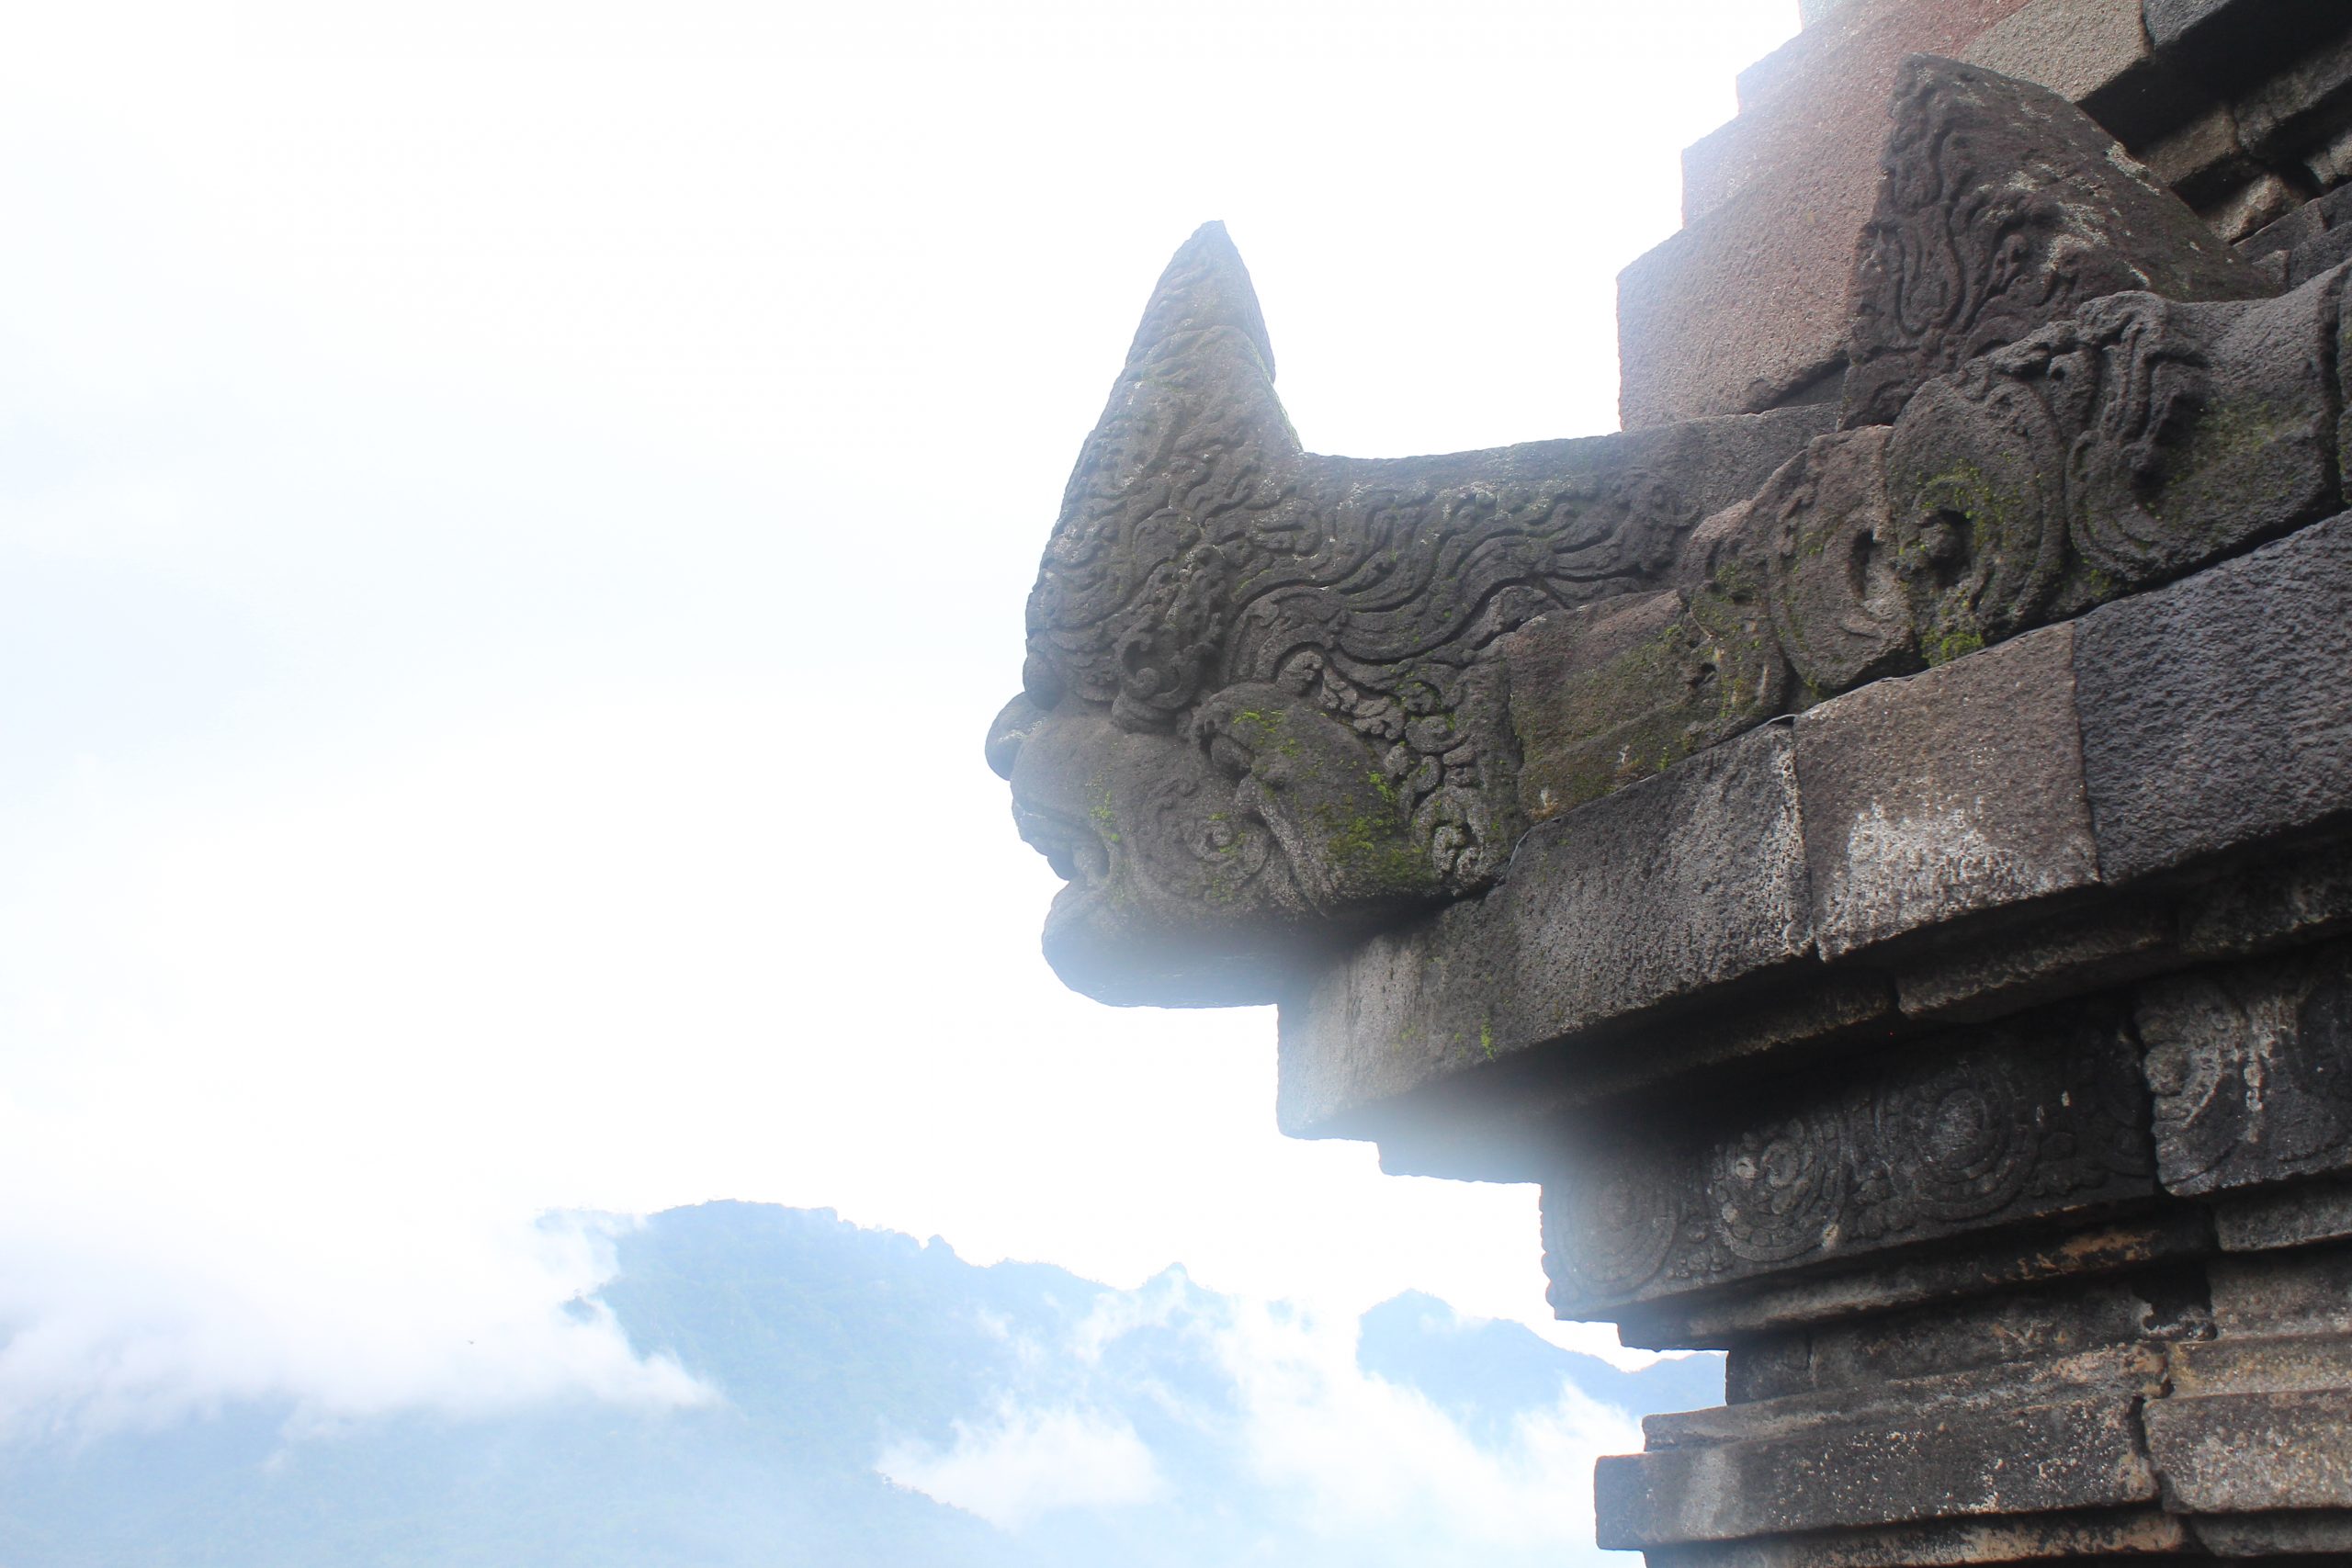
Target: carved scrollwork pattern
2016 1123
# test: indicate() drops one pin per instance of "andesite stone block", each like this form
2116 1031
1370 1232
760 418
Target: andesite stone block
1945 793
2095 53
2229 42
2233 1453
2218 712
1885 1469
2291 1293
1988 974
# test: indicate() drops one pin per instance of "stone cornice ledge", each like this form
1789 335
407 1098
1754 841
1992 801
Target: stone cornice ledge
1953 845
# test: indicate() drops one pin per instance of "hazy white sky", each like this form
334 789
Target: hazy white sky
515 518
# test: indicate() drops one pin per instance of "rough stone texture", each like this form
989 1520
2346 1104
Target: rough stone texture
1989 973
1610 694
2219 711
2233 43
2294 1217
1837 600
2071 1319
2004 207
1891 1462
2092 53
2303 896
1953 1271
2251 1071
2302 1291
2004 1124
2203 160
1677 884
1747 301
1949 793
2068 1537
2271 1434
2281 115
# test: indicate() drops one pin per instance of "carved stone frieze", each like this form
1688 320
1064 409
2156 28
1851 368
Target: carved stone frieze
1998 1126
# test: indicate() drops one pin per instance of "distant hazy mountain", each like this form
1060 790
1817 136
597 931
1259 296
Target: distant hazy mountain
878 1403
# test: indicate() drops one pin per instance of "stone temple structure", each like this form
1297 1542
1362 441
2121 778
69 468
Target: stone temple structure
1872 838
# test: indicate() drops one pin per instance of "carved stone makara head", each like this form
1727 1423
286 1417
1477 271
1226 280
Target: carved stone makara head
1261 708
1274 701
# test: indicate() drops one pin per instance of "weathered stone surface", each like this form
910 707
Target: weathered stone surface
1950 1459
2307 1291
2206 164
1608 694
2251 1071
1498 1125
1989 973
1950 793
2003 207
2135 442
2309 95
1688 880
2280 1217
2067 1537
1262 707
2040 1325
2214 712
2230 42
2295 1540
2005 1124
1953 1271
2300 897
2091 52
2235 1453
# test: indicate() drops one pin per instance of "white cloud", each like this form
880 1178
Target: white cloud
109 1322
1025 1464
504 566
1365 1458
1280 1425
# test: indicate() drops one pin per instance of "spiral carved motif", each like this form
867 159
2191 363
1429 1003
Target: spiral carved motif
1777 1192
1617 1230
1972 1145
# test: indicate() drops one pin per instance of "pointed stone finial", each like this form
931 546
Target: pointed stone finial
1205 286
